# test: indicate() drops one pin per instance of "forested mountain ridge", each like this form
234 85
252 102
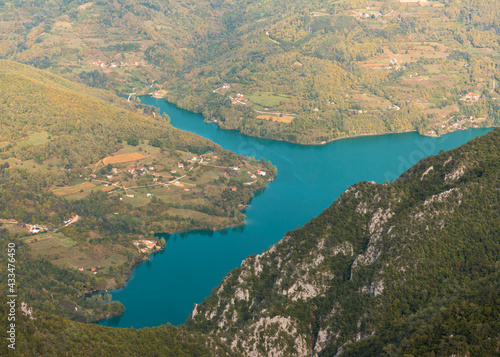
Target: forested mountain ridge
404 268
307 71
85 185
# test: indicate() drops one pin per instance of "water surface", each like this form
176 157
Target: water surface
309 179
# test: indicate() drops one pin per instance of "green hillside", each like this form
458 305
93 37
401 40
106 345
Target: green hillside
308 70
42 334
85 184
408 268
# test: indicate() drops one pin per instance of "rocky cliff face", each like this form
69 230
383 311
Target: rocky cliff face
377 256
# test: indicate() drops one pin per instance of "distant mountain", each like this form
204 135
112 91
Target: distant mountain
303 71
407 268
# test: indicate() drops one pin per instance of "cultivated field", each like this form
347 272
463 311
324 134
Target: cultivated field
283 119
267 99
69 190
118 159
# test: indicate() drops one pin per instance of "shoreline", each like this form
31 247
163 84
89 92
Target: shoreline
324 142
138 262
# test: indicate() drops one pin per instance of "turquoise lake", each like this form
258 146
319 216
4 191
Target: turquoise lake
309 179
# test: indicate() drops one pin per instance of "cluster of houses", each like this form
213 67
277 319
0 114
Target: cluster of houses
238 99
102 64
142 170
144 245
459 122
194 159
93 270
471 97
130 194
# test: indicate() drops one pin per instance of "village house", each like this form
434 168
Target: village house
236 168
249 183
35 229
261 173
180 165
80 268
130 194
233 188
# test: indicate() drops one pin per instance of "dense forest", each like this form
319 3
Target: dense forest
44 334
306 71
87 179
407 268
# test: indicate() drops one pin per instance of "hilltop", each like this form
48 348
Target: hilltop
404 268
304 71
85 184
